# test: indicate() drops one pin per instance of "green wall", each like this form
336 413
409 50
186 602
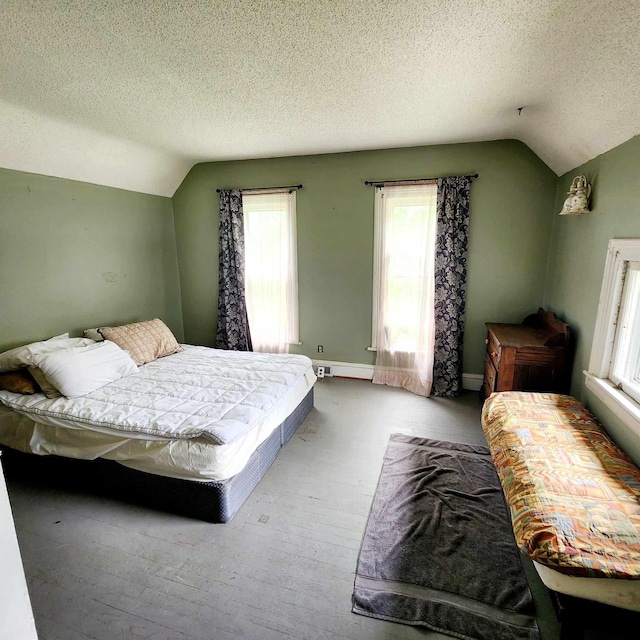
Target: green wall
577 257
510 228
75 255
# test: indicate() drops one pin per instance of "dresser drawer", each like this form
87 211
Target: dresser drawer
490 377
494 350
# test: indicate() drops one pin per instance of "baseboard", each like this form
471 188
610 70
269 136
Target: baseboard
470 381
346 369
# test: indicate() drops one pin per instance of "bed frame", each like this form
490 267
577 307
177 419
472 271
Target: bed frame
216 501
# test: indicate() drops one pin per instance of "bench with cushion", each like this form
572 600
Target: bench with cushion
573 495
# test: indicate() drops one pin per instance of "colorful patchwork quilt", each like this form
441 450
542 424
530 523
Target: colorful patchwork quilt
574 497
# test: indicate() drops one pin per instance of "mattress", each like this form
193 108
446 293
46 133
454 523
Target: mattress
200 392
574 496
74 429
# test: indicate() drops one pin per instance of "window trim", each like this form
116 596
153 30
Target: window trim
619 253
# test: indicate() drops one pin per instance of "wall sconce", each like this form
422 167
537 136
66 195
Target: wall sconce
578 197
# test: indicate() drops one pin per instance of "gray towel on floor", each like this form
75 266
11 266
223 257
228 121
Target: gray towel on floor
438 549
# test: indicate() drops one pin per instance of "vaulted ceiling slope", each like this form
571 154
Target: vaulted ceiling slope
132 94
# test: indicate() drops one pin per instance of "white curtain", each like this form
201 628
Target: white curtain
403 327
271 269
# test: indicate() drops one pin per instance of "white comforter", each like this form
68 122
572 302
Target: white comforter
201 392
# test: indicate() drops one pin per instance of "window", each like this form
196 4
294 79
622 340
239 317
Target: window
403 330
405 224
271 269
614 368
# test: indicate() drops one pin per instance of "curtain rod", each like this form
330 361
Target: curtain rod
289 186
378 183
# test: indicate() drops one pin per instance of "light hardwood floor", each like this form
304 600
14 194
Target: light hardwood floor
282 568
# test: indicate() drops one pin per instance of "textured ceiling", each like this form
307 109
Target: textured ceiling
133 93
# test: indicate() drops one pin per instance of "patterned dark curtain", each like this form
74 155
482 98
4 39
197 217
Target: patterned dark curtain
233 324
452 238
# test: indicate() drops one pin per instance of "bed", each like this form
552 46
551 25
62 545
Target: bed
190 432
573 495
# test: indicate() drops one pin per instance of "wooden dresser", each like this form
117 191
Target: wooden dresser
532 356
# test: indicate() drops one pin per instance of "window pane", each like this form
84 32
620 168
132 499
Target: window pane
625 365
405 266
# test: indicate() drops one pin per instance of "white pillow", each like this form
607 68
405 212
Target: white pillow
24 356
81 370
47 388
62 336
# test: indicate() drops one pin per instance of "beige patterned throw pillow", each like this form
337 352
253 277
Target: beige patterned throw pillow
145 341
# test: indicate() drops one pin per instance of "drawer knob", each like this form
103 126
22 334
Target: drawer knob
486 341
494 354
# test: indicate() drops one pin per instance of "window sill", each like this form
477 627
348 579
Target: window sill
617 401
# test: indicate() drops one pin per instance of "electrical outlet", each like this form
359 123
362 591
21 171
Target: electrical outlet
320 349
320 373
